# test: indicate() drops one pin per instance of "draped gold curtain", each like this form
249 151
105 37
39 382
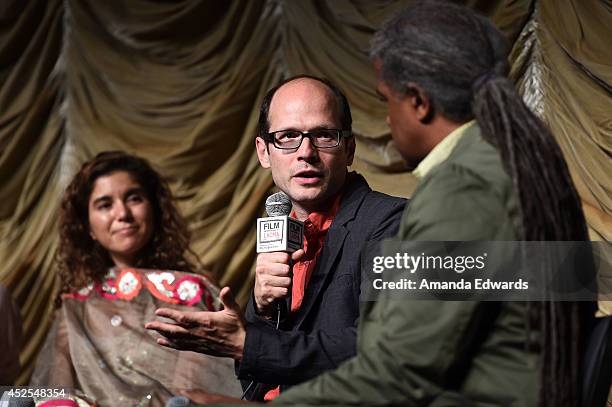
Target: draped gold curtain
180 83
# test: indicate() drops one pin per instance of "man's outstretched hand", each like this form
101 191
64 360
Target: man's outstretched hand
219 333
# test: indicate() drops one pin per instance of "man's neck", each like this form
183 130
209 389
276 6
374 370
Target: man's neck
439 129
302 212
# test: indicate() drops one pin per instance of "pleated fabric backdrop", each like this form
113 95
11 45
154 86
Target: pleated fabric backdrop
180 83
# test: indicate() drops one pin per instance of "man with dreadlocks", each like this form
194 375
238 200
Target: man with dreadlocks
488 170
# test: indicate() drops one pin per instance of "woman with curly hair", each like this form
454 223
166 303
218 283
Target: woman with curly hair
122 241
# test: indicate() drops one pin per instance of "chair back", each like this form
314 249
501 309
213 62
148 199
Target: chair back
597 368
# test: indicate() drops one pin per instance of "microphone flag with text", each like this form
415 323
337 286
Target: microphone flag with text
279 232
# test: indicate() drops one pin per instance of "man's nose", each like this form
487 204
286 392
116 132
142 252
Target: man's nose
307 151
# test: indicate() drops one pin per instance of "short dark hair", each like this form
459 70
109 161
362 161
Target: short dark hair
346 120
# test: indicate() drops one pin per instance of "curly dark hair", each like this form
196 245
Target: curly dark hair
82 260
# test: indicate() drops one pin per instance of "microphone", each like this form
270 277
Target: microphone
278 204
279 232
178 401
8 401
27 402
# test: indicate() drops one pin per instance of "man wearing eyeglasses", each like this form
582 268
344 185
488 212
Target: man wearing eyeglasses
305 140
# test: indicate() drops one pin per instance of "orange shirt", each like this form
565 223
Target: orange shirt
315 230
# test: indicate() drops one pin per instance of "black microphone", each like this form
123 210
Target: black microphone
27 402
7 401
279 232
178 401
278 204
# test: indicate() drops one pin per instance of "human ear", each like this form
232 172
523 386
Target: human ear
420 102
350 145
262 152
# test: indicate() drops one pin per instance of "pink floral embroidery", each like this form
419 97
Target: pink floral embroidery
107 289
128 284
82 294
188 290
165 292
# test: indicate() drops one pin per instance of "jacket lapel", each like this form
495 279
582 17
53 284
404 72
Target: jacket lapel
353 196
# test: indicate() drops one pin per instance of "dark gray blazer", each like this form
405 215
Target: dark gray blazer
323 332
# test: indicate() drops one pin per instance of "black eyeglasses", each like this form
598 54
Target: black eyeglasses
320 138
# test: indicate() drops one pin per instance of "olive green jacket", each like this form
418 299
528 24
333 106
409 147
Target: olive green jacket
437 353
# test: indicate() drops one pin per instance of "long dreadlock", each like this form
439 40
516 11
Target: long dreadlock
459 59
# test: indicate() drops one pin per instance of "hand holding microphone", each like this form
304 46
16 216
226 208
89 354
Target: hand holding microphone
273 279
279 244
